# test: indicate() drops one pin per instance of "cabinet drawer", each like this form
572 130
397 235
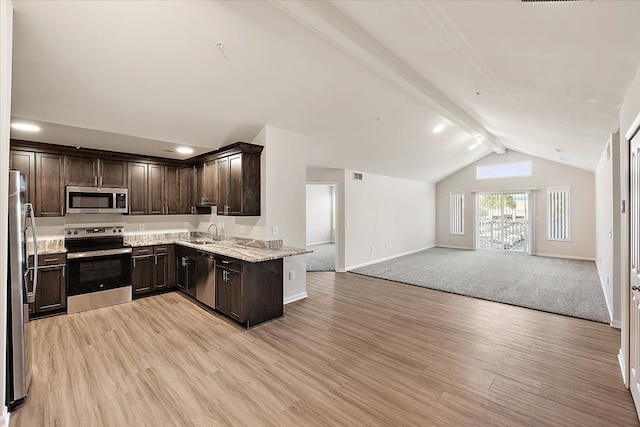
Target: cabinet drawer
144 250
158 250
229 263
52 259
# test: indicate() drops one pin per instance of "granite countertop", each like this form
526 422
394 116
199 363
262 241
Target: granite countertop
238 248
245 253
230 249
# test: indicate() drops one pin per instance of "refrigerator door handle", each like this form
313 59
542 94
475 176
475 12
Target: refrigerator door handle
31 296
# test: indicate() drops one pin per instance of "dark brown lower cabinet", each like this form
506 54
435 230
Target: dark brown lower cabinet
51 289
250 293
151 269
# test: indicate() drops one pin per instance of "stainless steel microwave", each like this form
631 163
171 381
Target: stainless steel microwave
97 200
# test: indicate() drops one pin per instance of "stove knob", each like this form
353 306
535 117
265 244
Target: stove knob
75 231
68 231
114 230
120 230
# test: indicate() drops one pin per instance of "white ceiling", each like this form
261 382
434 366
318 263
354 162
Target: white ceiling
366 81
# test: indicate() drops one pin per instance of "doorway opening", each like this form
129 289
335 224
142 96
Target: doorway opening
321 227
503 221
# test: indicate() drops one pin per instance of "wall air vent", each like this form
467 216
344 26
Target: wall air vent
357 176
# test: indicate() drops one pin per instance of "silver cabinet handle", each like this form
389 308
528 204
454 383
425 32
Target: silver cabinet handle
100 181
95 181
64 267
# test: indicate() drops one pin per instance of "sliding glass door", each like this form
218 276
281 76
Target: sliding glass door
503 221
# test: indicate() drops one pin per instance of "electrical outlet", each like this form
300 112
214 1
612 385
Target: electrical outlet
140 226
346 222
371 248
292 275
275 230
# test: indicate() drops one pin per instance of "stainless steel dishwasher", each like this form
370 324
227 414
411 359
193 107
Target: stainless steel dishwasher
206 279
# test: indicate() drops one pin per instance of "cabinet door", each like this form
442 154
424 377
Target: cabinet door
211 182
49 185
235 185
172 190
156 190
200 187
51 293
137 188
223 185
25 162
142 273
82 171
222 290
161 267
113 173
185 193
236 302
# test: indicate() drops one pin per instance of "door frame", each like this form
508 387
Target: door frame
530 214
338 219
625 250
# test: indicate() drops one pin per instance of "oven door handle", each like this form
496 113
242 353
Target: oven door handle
94 254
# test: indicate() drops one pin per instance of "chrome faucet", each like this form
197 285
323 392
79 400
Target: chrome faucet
216 237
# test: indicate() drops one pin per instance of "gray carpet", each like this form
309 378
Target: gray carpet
323 257
561 286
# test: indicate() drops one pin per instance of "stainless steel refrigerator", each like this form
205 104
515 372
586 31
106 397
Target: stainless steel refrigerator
21 278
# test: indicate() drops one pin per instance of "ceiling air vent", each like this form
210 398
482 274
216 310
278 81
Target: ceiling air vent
357 176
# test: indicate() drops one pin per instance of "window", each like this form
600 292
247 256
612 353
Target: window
558 214
456 213
507 170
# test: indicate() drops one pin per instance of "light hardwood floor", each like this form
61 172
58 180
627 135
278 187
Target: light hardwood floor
358 351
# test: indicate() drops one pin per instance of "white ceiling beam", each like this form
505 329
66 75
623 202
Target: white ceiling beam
322 18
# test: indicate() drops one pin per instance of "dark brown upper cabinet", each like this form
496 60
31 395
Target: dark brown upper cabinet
168 190
138 200
239 184
49 185
185 195
228 178
91 172
25 162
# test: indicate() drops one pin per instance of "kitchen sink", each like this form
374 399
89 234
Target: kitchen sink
201 241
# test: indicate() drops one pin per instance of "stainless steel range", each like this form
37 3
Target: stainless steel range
99 266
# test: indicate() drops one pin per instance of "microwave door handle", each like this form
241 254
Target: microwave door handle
31 296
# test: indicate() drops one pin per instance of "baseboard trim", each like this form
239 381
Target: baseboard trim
616 324
579 258
364 264
320 243
6 415
341 270
296 297
454 247
621 362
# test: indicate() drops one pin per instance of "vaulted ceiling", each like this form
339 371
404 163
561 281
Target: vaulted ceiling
367 81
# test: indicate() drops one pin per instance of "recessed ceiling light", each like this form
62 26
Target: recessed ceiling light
184 150
479 137
25 127
473 146
438 128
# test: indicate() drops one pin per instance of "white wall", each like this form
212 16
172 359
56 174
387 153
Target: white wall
386 217
6 43
604 223
283 205
545 174
319 213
